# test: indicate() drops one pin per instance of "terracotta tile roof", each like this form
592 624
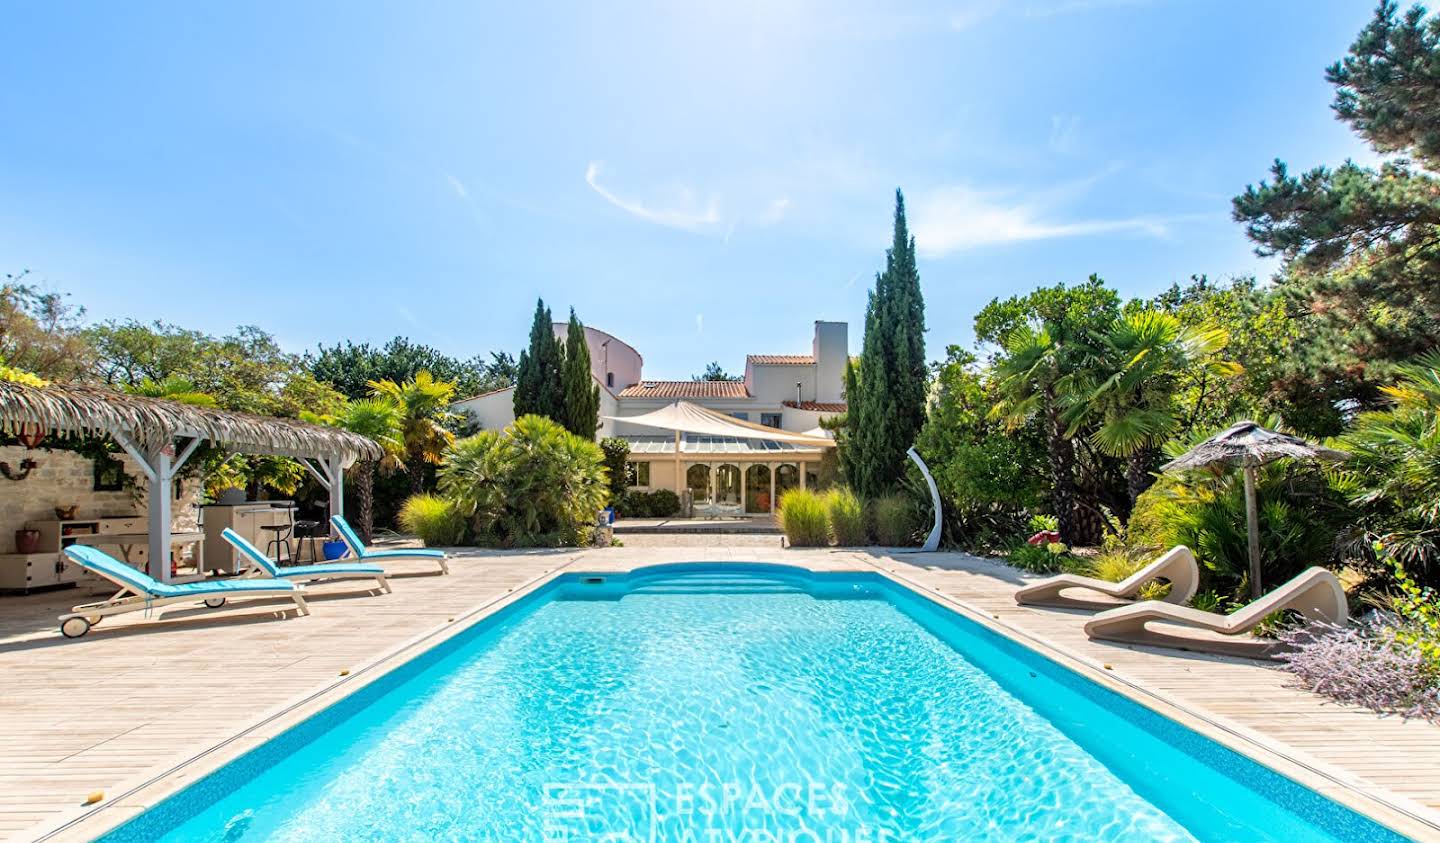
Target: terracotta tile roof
780 359
818 406
686 389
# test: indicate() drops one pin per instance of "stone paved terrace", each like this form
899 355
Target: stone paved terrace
127 709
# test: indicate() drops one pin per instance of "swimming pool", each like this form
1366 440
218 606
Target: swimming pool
739 702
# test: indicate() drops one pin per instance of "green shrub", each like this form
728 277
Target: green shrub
990 474
1117 562
615 450
1045 559
664 503
1208 601
1299 519
661 503
434 519
894 520
1043 523
847 517
803 518
1392 478
537 485
1418 611
1115 565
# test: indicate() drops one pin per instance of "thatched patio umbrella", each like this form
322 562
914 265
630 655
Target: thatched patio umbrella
1249 446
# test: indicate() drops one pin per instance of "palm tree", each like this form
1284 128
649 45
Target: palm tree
424 404
1143 360
381 420
1393 474
1029 379
473 479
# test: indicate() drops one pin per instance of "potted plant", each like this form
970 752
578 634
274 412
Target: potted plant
27 541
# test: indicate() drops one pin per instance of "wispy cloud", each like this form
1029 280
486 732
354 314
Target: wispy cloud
457 186
463 194
775 211
958 218
687 212
699 323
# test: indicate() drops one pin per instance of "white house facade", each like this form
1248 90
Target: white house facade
730 475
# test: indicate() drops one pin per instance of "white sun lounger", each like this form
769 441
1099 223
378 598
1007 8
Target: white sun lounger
261 566
1176 567
364 554
1316 594
147 594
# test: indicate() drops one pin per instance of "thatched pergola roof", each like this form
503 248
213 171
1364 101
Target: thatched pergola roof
96 411
1248 444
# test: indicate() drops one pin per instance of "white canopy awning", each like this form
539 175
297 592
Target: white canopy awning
684 417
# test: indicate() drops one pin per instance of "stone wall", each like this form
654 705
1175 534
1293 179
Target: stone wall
65 478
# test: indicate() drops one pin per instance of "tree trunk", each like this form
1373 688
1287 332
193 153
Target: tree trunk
1137 473
365 498
1089 523
417 477
1062 471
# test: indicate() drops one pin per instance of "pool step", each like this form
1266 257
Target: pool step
711 583
717 589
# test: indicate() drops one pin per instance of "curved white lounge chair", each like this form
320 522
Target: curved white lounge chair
261 566
1316 594
147 594
1176 567
364 554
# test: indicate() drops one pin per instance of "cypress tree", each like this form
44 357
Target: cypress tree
886 392
908 378
538 389
582 396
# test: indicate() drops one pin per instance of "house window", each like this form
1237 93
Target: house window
770 419
637 474
610 379
741 416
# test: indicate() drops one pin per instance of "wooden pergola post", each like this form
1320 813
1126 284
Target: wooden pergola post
158 509
160 464
330 474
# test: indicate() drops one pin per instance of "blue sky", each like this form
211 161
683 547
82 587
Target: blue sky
702 180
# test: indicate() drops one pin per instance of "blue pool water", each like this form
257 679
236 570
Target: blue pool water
748 703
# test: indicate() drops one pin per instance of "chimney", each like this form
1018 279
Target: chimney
831 350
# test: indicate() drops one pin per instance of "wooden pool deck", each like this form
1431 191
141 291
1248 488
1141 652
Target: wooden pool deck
137 709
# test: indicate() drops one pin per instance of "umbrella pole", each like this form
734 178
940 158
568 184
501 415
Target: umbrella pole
1252 525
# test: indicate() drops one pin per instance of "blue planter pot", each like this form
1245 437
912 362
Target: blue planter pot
333 550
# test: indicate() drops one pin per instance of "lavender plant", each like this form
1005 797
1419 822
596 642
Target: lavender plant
1368 663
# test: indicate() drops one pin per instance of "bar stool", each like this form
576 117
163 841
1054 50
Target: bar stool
280 536
305 533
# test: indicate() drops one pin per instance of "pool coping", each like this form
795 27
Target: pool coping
137 795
